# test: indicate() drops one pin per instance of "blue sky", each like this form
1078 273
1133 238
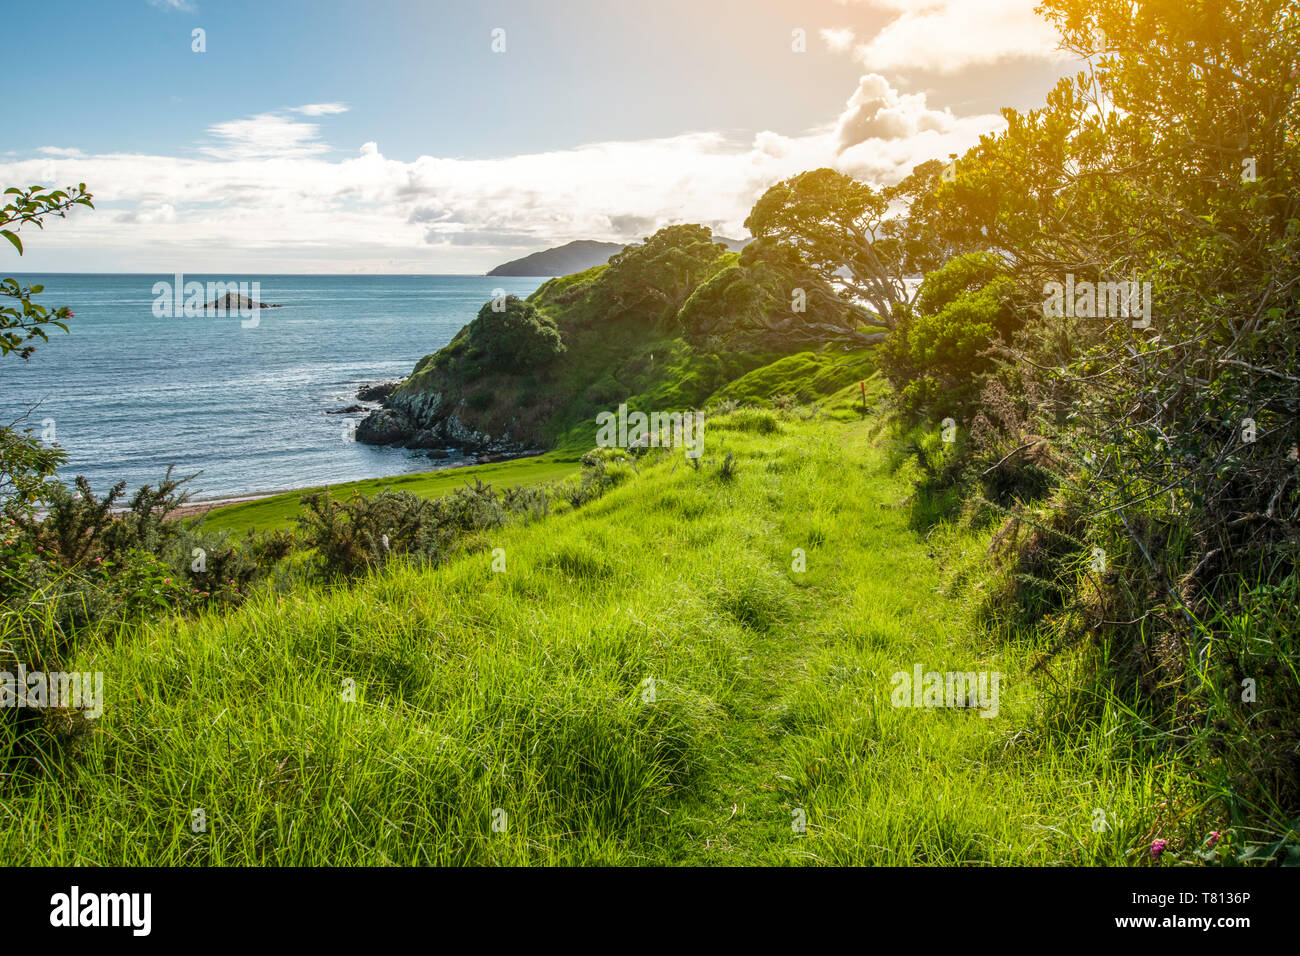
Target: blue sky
338 135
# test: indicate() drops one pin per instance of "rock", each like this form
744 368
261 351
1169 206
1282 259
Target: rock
421 420
346 411
424 439
438 453
384 427
377 392
233 301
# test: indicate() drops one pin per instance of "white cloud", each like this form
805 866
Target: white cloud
946 36
268 199
877 111
268 135
184 5
321 109
838 40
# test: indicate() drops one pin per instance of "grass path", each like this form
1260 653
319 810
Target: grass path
643 665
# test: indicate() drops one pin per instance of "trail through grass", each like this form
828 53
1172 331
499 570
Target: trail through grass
650 680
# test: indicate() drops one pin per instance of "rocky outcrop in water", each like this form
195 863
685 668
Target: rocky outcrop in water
377 392
233 301
423 420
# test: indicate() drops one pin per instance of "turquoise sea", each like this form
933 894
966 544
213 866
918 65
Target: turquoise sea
125 394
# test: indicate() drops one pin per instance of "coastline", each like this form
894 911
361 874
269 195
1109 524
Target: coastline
196 508
192 509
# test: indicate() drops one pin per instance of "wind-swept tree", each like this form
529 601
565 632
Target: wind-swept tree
865 242
655 277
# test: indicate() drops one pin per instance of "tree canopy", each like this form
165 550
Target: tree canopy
515 337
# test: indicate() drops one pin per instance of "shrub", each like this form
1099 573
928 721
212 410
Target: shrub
364 533
515 339
939 353
602 470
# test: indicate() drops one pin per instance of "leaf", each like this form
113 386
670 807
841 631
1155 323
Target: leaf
14 239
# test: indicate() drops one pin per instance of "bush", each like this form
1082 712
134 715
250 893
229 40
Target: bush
514 339
87 564
939 355
750 306
602 470
365 533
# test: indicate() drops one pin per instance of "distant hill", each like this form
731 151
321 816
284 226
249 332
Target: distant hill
733 245
578 256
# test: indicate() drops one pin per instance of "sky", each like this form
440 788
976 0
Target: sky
447 136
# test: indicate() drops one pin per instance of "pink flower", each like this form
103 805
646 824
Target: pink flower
1158 847
1214 838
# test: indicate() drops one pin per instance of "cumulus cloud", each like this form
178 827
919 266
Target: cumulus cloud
877 111
946 36
266 196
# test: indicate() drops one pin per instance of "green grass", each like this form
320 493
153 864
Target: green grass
649 680
806 376
278 511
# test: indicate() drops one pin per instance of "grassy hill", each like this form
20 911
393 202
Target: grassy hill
663 326
648 680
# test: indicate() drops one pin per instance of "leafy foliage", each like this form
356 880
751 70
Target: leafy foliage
28 472
22 319
768 301
514 338
940 350
652 280
854 236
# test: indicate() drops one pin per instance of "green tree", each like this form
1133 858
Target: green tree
769 299
864 242
654 279
513 338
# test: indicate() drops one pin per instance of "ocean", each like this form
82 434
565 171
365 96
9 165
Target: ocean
126 393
